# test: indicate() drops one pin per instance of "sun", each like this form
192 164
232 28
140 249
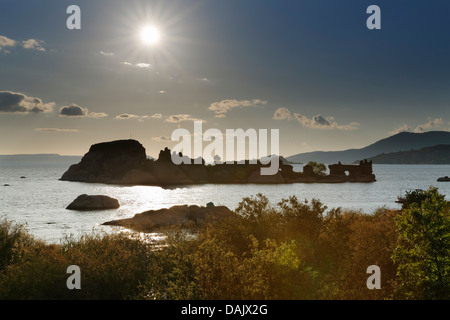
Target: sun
150 35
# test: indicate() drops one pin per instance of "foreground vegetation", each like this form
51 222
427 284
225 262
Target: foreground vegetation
294 250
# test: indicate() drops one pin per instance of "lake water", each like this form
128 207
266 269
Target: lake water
40 199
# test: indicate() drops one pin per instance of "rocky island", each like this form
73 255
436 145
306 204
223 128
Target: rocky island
124 162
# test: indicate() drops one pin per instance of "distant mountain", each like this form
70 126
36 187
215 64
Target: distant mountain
439 154
404 141
38 160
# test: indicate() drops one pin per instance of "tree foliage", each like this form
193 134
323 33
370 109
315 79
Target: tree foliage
289 250
423 252
318 168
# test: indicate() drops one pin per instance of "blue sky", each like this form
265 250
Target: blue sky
311 69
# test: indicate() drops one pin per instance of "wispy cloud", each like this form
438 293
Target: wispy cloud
161 139
431 124
6 42
30 44
222 107
140 65
107 54
282 114
127 116
15 102
403 128
75 110
55 130
316 122
177 118
33 44
143 65
97 115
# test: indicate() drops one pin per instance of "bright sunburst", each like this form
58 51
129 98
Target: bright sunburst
150 35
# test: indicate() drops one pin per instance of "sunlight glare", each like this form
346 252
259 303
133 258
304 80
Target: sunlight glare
150 35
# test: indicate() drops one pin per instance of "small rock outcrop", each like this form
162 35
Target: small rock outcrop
185 216
92 203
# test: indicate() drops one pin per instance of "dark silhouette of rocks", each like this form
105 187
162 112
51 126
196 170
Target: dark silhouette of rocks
139 177
164 155
257 178
92 203
125 163
107 161
184 216
444 179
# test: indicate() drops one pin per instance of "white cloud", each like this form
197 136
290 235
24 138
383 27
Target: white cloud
316 122
6 42
140 65
143 65
33 44
403 128
282 114
222 107
177 118
55 130
430 125
127 116
107 54
15 102
161 138
97 115
30 44
74 110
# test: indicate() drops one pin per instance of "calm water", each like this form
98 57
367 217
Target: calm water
39 200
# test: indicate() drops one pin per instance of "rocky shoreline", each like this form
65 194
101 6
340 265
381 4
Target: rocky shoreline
124 162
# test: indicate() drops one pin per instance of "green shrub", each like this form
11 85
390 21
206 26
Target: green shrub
14 243
423 252
291 250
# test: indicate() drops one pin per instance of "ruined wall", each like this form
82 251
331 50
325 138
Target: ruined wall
363 169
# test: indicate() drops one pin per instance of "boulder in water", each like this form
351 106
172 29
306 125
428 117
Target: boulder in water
91 203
